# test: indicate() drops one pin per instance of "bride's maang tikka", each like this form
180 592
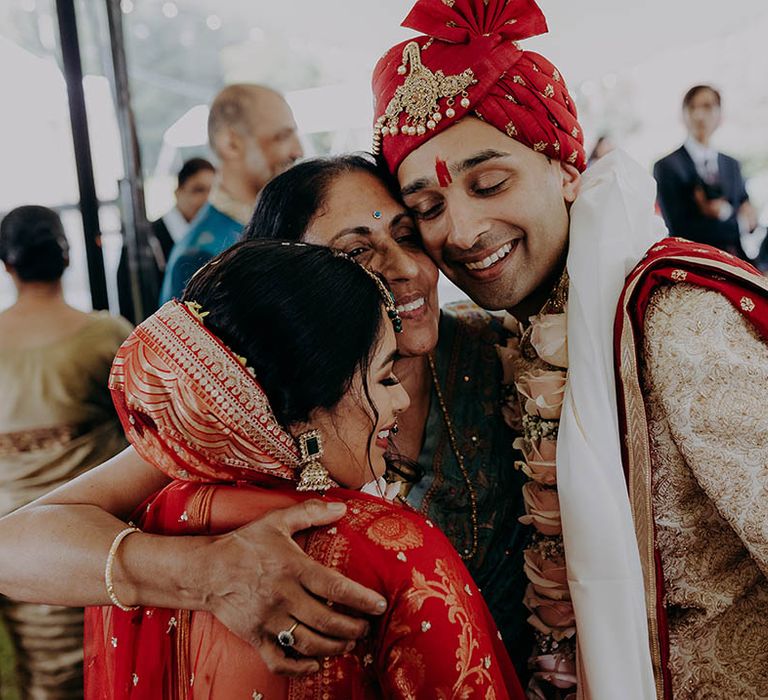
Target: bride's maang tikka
419 98
386 295
389 301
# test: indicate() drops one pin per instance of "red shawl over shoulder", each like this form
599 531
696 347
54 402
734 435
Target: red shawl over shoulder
671 261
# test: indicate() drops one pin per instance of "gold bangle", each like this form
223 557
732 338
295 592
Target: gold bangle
108 569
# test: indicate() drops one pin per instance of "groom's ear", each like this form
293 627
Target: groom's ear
570 178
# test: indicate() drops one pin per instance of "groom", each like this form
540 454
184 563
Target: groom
484 140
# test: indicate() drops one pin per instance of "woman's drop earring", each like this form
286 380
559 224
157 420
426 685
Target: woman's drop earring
314 476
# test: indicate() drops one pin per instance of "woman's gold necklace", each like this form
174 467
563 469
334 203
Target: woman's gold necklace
468 553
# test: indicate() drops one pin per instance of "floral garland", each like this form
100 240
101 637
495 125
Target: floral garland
535 364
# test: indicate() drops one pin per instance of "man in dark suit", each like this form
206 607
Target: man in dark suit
195 180
701 192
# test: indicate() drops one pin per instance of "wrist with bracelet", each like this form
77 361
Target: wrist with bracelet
110 586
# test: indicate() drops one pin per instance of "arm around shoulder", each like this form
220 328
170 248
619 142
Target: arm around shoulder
55 549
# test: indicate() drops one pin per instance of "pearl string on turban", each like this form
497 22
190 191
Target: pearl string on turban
469 63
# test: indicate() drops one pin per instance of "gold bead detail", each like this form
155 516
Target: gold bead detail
470 553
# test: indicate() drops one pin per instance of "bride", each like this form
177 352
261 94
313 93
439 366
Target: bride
270 384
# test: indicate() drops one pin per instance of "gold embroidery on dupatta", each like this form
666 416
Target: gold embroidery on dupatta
395 532
198 519
226 395
468 663
745 275
747 304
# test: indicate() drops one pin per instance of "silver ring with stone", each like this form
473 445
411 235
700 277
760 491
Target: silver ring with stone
285 638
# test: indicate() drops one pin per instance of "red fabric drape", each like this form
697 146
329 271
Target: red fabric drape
519 92
437 638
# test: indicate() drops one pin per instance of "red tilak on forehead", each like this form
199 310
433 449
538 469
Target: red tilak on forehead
441 170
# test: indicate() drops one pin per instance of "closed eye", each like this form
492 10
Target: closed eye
429 212
409 237
489 190
357 252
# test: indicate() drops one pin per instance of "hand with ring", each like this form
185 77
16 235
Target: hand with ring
262 585
285 638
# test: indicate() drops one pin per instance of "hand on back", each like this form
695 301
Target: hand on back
262 582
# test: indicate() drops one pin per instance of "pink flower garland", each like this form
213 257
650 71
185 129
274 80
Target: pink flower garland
538 360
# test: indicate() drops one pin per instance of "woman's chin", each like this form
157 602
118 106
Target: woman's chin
416 342
378 463
367 476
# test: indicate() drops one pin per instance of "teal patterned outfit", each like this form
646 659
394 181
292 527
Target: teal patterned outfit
470 378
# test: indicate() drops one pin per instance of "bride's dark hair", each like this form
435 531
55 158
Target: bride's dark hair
305 320
288 204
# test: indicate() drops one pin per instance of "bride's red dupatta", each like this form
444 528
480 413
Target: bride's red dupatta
194 410
671 261
191 408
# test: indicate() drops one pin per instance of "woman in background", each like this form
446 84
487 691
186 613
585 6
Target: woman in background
56 421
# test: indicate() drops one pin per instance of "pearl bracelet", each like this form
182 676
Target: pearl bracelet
108 569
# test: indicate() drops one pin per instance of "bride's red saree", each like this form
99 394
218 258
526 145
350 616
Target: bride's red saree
193 409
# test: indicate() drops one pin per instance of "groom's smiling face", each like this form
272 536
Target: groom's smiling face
493 214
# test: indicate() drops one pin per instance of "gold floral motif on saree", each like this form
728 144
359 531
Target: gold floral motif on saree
332 551
393 532
360 514
409 671
469 663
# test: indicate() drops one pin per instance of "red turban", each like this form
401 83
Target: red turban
469 62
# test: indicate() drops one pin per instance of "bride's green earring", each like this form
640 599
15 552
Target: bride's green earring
314 476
